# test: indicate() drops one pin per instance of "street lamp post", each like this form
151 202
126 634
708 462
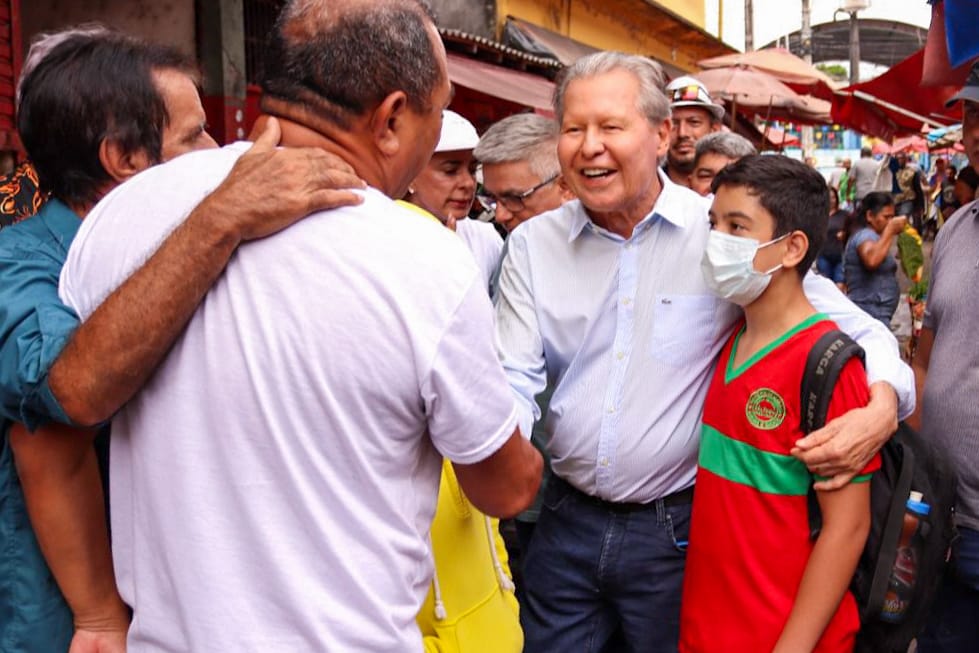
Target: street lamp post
805 41
853 7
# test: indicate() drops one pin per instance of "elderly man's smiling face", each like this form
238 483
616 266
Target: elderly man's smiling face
609 150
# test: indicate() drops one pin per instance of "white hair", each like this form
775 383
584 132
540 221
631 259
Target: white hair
523 137
728 144
652 101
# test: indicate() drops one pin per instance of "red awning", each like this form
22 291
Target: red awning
780 138
511 85
894 103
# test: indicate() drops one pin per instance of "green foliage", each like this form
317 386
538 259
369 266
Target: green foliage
837 71
913 262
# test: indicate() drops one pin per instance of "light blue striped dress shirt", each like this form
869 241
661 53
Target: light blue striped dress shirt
627 331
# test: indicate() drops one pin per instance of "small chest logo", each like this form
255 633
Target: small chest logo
765 409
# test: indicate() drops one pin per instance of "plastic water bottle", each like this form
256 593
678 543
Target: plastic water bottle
904 574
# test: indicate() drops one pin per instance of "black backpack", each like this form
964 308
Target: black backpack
907 463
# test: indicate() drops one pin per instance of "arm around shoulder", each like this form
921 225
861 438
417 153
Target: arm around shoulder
883 358
113 353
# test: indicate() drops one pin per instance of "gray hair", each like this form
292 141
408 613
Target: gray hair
340 59
522 137
729 144
652 101
44 43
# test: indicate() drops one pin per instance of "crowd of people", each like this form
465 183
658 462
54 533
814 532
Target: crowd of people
237 419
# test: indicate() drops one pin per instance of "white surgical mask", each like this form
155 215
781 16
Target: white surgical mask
729 267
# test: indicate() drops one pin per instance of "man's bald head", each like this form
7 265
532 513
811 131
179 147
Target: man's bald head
340 58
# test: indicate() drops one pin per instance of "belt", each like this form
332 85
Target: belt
681 498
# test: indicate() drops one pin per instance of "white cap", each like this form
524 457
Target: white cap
687 91
457 133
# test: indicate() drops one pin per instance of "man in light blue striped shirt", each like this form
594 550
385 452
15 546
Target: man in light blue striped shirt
604 299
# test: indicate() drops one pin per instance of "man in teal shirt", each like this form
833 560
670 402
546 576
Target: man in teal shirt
96 107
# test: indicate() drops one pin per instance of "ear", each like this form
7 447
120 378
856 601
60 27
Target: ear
796 248
121 165
565 191
388 125
663 131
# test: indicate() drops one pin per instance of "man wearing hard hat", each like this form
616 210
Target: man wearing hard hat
694 116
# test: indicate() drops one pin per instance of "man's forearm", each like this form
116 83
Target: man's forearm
883 357
62 488
112 353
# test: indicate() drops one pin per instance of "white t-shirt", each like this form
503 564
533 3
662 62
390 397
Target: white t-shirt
273 484
485 244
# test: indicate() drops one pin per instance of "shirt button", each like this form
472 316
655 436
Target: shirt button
611 409
604 462
625 301
620 355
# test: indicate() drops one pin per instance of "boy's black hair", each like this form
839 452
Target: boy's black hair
796 195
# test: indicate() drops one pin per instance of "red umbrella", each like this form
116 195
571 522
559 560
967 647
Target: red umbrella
909 144
893 103
789 69
949 151
780 138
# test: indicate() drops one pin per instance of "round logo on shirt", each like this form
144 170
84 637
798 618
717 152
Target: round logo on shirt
765 409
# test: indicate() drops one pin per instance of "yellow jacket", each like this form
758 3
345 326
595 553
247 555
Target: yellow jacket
470 607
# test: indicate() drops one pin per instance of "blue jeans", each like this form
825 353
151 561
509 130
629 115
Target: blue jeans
592 569
880 311
831 268
954 623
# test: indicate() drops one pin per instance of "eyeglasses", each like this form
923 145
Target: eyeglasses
513 202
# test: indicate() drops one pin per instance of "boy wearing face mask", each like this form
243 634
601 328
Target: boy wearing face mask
754 580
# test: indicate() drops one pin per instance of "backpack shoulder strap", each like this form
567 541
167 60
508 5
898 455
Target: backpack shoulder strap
823 366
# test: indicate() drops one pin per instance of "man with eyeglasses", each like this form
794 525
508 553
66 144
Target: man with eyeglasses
521 179
521 173
694 116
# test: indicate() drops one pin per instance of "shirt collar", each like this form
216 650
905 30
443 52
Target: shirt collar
59 220
670 206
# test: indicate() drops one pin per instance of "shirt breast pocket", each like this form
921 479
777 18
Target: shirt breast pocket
684 328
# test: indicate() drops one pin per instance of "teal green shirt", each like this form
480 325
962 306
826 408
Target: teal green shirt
34 327
34 324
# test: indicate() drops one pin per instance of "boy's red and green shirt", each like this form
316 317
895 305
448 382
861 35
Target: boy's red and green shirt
749 536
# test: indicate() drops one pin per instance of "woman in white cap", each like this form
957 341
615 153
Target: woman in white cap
446 188
471 606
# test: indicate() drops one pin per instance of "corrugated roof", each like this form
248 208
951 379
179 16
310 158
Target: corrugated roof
482 48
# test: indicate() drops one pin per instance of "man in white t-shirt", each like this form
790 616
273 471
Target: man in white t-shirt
274 482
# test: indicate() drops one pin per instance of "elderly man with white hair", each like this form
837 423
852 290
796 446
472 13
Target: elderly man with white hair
604 298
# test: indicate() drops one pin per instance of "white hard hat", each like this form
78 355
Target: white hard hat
457 133
687 91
